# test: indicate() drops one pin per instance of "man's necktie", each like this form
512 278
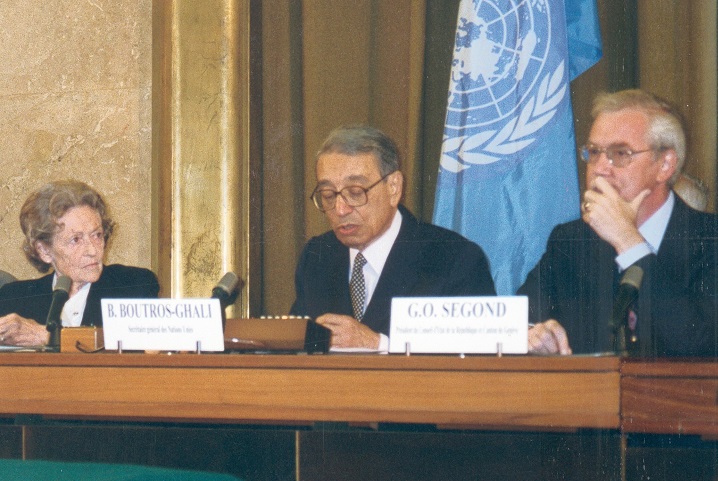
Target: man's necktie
357 288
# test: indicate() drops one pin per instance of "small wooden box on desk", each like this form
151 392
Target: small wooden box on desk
81 339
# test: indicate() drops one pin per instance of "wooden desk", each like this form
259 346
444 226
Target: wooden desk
662 396
554 418
670 397
509 392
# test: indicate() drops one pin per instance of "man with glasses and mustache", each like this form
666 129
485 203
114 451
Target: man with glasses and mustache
629 216
376 250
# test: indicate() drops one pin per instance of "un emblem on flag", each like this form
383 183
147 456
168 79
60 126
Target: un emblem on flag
508 78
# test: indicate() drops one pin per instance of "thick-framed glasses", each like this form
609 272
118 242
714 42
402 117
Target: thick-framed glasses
617 156
353 195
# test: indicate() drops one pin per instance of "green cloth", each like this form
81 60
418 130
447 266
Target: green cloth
15 469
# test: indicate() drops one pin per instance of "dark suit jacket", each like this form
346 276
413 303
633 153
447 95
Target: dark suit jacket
425 260
576 278
31 299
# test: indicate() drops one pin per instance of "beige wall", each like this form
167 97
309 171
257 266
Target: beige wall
75 101
678 61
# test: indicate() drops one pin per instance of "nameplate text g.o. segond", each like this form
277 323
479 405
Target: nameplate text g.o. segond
459 325
163 324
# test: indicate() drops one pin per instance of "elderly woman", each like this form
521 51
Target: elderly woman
66 227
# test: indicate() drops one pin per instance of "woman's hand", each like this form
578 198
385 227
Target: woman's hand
17 331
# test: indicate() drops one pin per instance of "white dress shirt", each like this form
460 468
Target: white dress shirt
74 308
376 254
652 230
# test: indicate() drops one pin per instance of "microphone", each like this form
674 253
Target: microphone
625 297
60 295
226 289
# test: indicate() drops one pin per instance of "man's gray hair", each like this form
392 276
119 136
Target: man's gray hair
361 139
665 124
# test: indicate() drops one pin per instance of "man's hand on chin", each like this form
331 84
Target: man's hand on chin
610 216
348 332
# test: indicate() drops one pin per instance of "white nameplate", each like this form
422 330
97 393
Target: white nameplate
163 324
456 325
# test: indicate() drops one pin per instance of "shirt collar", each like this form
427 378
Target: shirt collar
377 252
654 228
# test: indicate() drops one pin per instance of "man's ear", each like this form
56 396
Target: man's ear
43 251
396 186
669 163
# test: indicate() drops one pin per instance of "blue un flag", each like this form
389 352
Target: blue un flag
508 165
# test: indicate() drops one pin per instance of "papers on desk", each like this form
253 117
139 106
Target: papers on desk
357 350
10 348
27 349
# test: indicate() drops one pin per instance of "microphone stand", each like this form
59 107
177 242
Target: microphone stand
226 291
53 324
619 339
54 342
625 298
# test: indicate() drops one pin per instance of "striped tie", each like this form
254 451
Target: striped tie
357 288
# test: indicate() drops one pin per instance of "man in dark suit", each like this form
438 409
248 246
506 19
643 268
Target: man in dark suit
376 250
630 217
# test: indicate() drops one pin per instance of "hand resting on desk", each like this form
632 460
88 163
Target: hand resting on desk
548 338
348 332
16 330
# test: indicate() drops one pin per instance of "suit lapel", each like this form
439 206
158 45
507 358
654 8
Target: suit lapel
673 256
92 316
42 303
399 275
337 289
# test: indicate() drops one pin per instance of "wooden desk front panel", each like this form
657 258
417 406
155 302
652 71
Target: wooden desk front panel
670 397
545 393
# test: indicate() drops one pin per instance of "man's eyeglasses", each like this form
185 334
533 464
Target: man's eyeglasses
617 156
353 195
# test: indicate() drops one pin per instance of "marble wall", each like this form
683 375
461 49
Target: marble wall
75 102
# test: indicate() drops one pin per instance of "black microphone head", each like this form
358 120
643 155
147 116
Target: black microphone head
633 277
228 283
63 283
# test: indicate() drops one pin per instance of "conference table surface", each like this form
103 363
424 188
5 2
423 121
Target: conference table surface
483 392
